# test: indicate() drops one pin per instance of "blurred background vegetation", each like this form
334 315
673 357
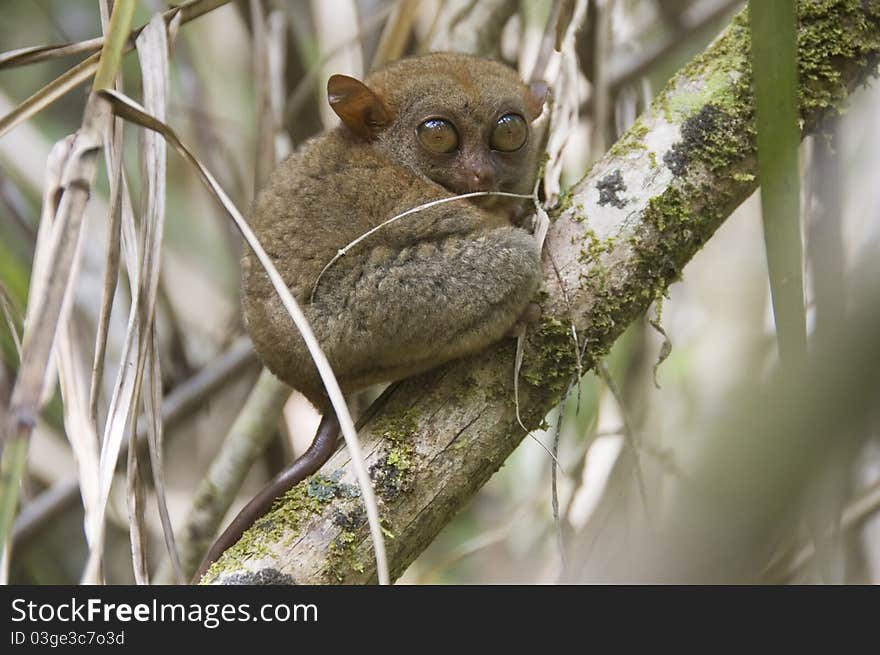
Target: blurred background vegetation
718 384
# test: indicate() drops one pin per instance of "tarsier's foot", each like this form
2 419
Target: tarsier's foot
530 315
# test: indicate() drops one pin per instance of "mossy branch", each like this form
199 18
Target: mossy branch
619 238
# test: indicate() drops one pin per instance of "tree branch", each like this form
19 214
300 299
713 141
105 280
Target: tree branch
619 237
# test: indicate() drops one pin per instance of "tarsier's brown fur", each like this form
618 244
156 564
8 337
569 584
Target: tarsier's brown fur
430 287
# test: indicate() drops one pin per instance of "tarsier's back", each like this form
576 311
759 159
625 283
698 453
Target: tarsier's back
434 285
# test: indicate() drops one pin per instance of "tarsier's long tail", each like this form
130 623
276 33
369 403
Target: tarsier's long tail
323 446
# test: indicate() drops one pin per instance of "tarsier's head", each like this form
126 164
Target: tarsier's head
462 121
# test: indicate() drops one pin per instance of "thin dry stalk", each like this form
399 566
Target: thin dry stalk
629 433
601 93
135 503
269 45
185 400
785 569
550 41
113 157
473 27
396 33
113 143
11 325
563 117
60 256
153 47
80 73
265 156
130 110
35 54
57 262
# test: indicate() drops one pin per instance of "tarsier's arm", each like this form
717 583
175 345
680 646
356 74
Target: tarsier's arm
389 313
396 312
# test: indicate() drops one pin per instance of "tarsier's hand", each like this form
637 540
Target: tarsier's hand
522 214
530 315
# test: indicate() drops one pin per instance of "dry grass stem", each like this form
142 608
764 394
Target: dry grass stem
396 33
80 73
130 110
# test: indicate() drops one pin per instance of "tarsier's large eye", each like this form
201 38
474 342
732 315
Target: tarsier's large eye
438 135
509 133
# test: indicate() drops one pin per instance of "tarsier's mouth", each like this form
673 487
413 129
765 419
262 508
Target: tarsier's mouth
469 187
489 202
470 179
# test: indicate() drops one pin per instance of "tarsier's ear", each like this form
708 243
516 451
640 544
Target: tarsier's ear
362 111
536 97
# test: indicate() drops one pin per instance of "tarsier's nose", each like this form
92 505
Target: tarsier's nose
481 178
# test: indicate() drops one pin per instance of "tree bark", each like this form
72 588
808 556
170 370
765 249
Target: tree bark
618 239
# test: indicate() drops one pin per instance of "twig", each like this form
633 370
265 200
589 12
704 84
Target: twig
189 10
12 466
517 365
135 503
265 159
431 32
476 544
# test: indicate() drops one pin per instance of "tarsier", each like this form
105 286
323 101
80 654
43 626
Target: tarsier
436 285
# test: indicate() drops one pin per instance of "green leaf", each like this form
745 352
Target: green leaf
774 64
